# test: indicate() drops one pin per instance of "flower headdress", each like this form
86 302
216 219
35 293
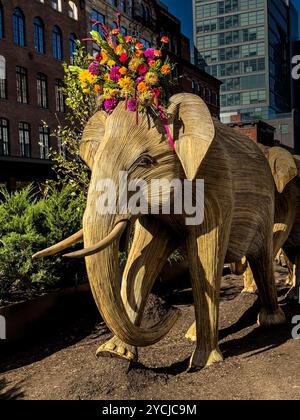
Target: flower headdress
125 70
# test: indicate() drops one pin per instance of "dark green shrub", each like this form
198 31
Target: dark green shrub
29 224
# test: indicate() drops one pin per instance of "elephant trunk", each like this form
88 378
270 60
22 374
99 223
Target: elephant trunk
103 272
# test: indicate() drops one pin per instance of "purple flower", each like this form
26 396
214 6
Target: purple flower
114 74
110 104
132 105
93 68
149 54
140 79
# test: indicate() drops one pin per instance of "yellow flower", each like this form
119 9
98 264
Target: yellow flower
86 77
123 70
106 93
114 92
119 50
151 78
111 63
166 69
142 87
106 77
86 91
125 84
146 98
134 63
105 57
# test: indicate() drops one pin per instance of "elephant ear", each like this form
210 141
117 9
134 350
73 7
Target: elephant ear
92 136
283 167
194 131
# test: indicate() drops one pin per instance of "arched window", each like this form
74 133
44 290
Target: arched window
72 43
1 21
57 43
73 10
19 27
131 7
4 137
3 94
39 43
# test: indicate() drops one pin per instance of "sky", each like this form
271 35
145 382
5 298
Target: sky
183 10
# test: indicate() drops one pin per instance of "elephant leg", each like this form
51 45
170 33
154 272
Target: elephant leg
152 245
263 273
206 255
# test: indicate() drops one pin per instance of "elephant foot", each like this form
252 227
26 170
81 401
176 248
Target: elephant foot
267 319
252 290
191 334
201 359
116 348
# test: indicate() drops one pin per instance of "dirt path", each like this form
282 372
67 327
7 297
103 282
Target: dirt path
259 364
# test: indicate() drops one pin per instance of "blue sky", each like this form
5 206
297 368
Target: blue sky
183 10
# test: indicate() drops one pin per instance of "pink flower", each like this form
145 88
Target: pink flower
142 69
94 68
151 63
114 73
110 104
149 54
140 79
123 57
132 105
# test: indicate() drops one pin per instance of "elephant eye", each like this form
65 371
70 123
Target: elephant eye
144 162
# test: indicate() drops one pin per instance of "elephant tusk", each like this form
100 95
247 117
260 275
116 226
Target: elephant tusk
100 246
61 246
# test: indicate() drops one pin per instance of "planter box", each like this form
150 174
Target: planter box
22 317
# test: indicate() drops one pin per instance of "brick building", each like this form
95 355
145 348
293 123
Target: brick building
35 40
259 131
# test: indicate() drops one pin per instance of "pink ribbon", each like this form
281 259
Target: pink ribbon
167 128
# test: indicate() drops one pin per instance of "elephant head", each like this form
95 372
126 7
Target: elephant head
116 143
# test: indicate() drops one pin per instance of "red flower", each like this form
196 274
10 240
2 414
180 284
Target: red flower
123 57
142 69
128 38
139 46
151 63
115 31
165 40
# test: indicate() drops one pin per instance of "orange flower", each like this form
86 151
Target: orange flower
123 70
128 38
157 53
142 87
151 63
166 69
139 46
165 40
115 31
98 88
139 53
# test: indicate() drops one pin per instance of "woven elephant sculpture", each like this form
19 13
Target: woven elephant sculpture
286 173
238 213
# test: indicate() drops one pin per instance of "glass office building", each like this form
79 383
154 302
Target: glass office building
247 44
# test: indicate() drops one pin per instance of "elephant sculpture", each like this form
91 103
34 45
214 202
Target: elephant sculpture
286 173
238 220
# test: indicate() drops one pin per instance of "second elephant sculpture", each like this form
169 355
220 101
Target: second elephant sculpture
239 212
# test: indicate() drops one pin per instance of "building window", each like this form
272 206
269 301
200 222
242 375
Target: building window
73 10
122 6
131 7
96 19
24 139
19 27
22 95
114 3
57 43
44 136
39 43
56 5
41 84
124 31
1 21
4 140
3 93
284 128
72 43
59 96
